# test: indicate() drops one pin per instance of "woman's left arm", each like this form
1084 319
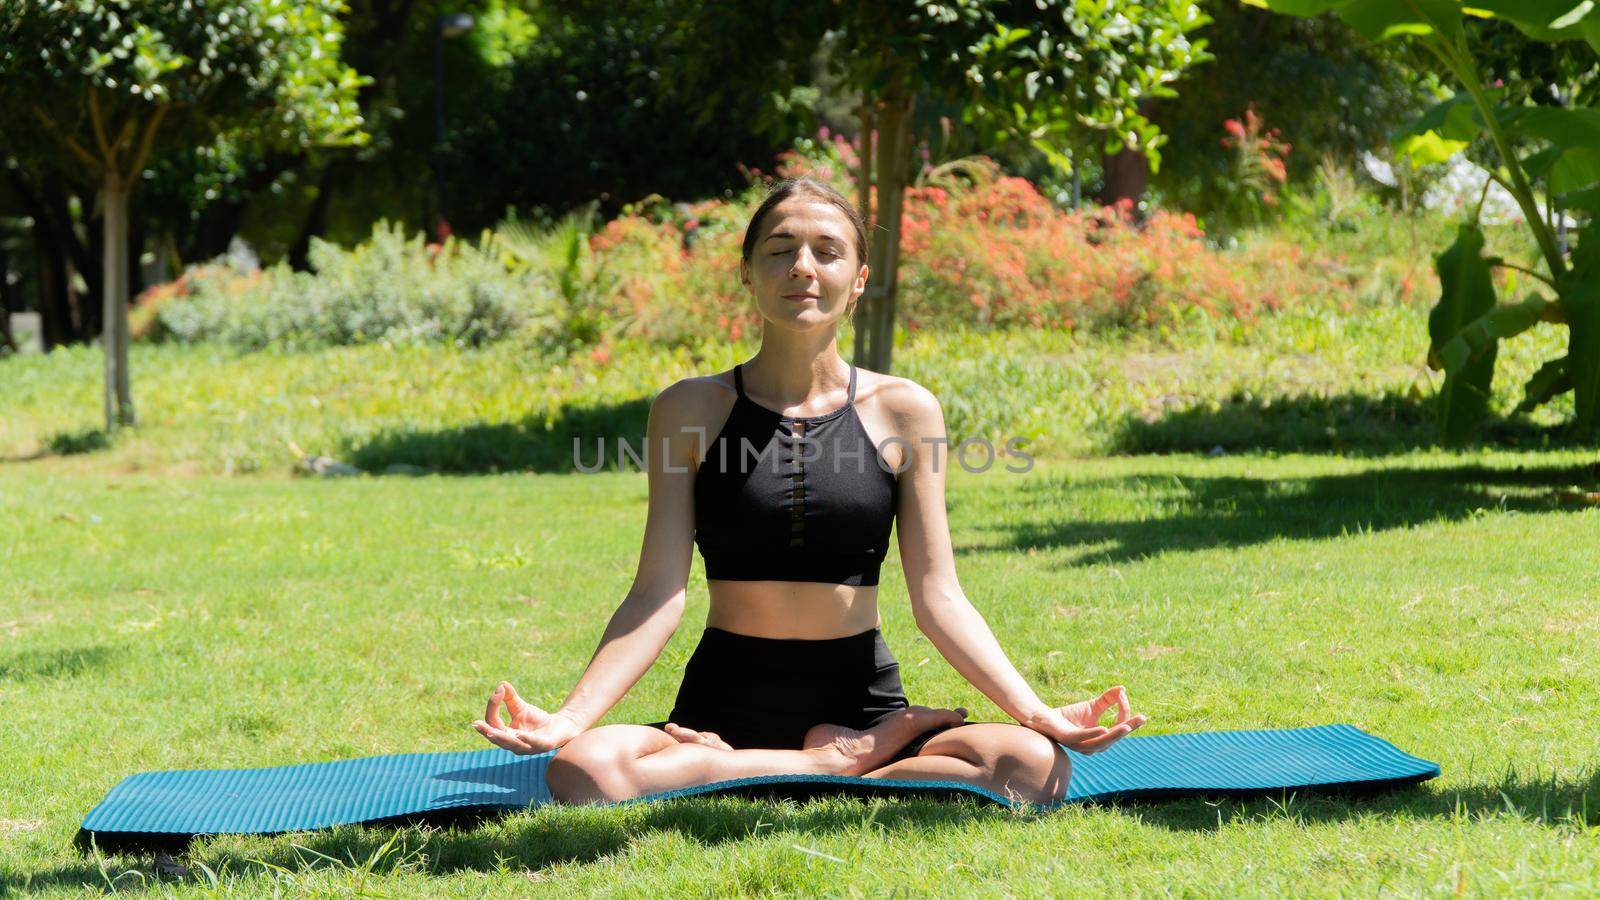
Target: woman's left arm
943 612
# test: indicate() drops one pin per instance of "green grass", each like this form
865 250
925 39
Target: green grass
1443 601
169 598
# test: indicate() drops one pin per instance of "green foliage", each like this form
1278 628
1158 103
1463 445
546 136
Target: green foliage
1327 91
1468 294
1564 161
581 283
1049 70
97 74
392 288
1580 299
594 110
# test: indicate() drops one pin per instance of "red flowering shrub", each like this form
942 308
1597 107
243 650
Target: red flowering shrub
678 271
1000 253
1257 171
988 249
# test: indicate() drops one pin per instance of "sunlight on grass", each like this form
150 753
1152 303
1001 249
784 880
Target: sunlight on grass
1438 600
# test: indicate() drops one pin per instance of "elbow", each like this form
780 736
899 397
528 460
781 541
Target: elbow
671 605
660 606
925 614
930 609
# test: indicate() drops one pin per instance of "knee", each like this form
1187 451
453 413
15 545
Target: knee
586 769
1032 766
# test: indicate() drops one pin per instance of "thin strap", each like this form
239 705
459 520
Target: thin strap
850 396
738 380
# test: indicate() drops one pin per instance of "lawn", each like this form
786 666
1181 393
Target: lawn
1444 601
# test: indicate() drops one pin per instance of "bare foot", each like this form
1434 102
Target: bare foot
690 736
846 751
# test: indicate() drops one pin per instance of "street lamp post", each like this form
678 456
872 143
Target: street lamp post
451 25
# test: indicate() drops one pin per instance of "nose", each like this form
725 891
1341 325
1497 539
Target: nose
804 263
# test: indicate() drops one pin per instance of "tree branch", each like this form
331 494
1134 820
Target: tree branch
98 122
147 140
1502 264
128 127
70 142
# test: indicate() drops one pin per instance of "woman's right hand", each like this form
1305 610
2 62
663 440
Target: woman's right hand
532 730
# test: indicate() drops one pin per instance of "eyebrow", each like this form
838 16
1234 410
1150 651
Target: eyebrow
786 234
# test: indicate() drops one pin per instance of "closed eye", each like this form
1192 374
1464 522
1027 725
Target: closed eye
828 253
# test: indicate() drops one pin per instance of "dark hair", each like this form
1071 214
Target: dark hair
812 188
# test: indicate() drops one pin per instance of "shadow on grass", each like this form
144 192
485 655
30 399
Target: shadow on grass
66 443
1348 423
66 662
531 445
555 835
1204 512
71 443
1551 802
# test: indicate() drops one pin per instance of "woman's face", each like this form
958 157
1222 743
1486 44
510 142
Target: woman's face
804 270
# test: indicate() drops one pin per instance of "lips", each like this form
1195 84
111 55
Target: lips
801 297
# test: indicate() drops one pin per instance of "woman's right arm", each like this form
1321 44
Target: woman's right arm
649 614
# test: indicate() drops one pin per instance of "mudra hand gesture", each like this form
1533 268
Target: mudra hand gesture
532 730
1077 726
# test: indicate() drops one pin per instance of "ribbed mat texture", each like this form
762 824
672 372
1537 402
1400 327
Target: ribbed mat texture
156 808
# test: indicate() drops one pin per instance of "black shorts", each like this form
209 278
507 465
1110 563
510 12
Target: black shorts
768 692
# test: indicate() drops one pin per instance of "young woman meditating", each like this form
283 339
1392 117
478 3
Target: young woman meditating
792 503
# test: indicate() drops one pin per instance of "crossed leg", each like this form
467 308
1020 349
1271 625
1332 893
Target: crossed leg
1010 760
618 762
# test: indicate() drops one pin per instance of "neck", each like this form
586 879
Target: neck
791 367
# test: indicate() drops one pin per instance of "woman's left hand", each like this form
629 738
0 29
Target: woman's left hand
1077 726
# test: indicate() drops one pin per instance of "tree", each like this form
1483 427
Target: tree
1326 90
1043 72
568 112
105 81
1529 143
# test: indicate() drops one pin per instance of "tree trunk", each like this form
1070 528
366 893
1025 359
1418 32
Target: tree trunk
88 260
55 309
864 303
1127 172
316 222
9 302
45 202
114 288
1127 175
894 134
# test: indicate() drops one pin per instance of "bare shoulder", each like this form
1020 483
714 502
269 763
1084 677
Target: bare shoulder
697 400
908 404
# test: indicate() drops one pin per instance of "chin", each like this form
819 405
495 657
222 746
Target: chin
804 320
798 318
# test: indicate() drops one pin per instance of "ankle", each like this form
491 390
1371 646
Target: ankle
830 759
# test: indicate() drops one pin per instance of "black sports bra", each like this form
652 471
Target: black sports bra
793 498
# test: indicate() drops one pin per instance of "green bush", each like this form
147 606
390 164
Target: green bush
392 288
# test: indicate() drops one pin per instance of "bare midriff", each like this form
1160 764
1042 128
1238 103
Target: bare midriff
794 610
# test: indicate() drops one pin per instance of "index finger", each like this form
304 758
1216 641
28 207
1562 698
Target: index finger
1124 709
491 715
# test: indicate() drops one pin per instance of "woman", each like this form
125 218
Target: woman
792 505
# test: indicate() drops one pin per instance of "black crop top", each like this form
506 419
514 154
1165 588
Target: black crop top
793 498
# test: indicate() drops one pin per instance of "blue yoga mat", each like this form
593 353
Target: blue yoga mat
167 809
